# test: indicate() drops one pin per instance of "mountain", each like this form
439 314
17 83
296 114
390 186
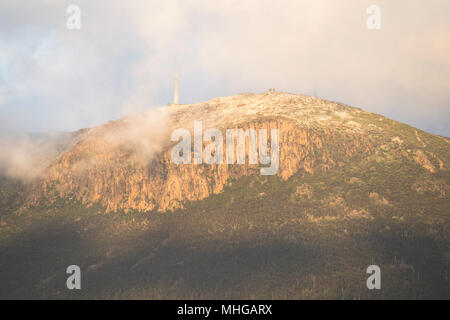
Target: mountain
352 189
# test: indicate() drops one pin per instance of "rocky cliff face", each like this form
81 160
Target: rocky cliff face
127 165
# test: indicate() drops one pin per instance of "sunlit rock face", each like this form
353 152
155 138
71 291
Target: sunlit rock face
127 165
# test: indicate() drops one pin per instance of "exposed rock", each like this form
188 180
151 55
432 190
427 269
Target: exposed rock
421 158
418 139
397 140
378 200
303 191
421 186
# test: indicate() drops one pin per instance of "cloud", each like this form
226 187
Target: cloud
121 60
25 157
142 135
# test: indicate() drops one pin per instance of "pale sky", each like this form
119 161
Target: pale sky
121 60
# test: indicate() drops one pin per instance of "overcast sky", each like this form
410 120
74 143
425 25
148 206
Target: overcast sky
121 60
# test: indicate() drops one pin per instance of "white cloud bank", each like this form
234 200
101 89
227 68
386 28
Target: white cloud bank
122 58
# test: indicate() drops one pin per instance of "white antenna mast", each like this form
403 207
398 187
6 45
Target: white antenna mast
175 95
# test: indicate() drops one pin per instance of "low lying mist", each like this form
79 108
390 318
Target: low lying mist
143 134
24 157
